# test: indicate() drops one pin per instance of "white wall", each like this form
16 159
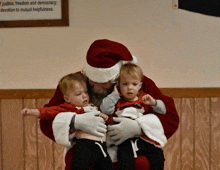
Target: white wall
175 48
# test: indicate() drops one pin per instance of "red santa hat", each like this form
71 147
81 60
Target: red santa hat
104 60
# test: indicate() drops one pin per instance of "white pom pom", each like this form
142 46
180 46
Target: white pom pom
134 61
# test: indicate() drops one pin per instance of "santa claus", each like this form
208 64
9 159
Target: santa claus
104 59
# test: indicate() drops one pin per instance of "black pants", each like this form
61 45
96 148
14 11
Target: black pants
88 154
126 156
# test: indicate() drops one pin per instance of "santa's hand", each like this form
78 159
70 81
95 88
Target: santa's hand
126 129
109 142
91 124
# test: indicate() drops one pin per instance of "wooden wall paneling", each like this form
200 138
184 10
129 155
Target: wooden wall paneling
30 137
58 157
172 148
27 93
45 146
187 134
202 133
195 145
190 92
215 133
0 136
12 134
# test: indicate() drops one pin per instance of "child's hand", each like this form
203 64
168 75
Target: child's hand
104 116
149 100
116 89
30 112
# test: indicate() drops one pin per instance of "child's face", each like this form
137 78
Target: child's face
129 87
78 95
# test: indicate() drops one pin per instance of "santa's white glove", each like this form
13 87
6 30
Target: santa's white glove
90 123
127 128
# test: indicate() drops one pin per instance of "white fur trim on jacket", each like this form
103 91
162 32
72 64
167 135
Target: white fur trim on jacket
61 127
153 129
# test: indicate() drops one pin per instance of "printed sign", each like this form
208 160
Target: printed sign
32 10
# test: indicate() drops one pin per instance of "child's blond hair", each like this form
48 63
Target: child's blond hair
132 70
67 82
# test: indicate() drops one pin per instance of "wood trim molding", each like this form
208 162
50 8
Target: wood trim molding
191 92
48 93
27 93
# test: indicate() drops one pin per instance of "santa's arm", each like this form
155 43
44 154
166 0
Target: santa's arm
88 122
57 99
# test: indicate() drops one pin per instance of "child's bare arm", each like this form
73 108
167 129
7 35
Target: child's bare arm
30 112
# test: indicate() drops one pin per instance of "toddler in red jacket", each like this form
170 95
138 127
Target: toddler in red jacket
89 150
128 101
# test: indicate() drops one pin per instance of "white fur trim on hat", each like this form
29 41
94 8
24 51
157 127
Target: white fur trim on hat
133 61
102 75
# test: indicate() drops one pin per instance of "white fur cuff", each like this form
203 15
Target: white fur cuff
61 127
153 128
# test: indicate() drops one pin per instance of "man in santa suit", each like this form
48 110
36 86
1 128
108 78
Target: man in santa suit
104 60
